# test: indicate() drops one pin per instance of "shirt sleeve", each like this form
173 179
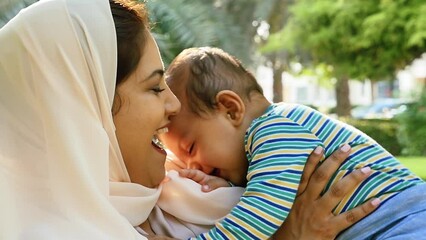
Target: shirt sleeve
277 149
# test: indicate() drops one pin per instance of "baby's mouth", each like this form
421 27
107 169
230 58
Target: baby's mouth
215 172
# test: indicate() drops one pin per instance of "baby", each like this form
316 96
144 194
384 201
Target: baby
228 129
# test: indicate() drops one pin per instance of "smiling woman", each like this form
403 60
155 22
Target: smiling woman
145 104
63 172
57 85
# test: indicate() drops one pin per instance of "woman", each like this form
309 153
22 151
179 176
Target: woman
66 162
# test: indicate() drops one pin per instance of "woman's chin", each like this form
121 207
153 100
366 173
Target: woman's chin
159 156
159 178
160 172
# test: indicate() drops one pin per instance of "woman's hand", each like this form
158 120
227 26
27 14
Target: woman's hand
311 216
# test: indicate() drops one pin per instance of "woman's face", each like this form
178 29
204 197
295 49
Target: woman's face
145 107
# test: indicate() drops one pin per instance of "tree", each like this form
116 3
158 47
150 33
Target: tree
229 24
360 39
412 128
180 24
258 19
277 19
10 8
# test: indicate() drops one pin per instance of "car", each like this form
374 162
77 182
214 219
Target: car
385 108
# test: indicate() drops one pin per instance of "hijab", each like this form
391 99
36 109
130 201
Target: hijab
62 175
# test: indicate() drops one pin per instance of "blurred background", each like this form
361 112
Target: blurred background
363 62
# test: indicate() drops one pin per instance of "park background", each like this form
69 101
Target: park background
363 62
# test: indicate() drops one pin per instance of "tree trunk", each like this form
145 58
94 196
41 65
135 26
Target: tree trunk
373 87
423 82
343 104
277 19
277 84
391 90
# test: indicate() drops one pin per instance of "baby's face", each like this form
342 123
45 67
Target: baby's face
209 143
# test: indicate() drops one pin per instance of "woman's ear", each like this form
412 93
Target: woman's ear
231 104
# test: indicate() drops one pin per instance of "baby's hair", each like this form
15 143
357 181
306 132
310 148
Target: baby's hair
203 72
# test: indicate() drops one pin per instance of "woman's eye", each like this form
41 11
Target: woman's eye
158 89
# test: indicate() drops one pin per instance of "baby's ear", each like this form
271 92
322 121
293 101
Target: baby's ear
232 105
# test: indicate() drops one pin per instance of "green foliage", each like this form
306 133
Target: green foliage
322 74
383 132
181 24
413 128
229 24
360 39
10 8
417 164
177 25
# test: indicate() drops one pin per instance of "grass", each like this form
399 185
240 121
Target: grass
415 164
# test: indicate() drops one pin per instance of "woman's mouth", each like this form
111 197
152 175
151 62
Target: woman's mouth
158 145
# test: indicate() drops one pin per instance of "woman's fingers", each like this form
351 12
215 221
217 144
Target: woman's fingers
347 219
310 166
324 172
345 185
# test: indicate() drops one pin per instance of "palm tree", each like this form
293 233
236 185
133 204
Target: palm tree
180 24
10 8
229 24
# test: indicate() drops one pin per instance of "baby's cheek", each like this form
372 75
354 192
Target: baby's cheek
173 162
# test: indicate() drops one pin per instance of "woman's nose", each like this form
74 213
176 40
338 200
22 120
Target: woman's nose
172 104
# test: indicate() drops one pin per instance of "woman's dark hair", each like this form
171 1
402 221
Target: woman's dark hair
132 29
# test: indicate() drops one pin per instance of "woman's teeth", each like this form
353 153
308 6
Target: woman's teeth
157 141
162 130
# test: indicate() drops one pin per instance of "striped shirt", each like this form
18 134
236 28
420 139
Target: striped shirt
277 146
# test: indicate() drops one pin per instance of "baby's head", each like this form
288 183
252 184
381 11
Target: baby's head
218 97
200 74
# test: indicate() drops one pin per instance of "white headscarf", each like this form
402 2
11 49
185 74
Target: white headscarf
58 147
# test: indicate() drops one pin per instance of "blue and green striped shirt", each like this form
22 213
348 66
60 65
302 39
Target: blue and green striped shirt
277 146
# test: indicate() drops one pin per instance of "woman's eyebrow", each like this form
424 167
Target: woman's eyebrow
156 72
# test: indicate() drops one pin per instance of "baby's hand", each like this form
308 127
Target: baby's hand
208 182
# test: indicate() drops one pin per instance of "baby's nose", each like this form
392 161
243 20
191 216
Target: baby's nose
193 165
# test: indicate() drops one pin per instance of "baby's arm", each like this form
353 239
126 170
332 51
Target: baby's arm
233 224
302 223
311 216
277 150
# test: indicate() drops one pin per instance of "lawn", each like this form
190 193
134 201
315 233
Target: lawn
415 164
